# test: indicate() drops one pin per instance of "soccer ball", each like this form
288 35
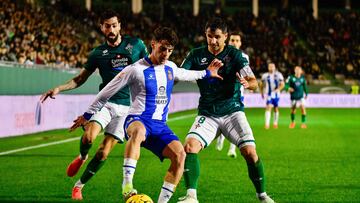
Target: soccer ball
140 198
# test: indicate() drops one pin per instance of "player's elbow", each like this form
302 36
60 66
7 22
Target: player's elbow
253 84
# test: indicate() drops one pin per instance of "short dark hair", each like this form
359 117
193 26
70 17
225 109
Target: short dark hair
166 33
236 33
216 23
107 14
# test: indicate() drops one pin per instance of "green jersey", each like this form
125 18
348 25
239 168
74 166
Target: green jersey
218 97
112 60
299 86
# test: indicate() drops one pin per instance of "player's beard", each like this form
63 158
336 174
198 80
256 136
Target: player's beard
112 40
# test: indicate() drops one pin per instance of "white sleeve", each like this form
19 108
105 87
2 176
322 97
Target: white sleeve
246 71
181 74
263 77
117 83
281 77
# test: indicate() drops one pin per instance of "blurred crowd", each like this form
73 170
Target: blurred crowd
61 35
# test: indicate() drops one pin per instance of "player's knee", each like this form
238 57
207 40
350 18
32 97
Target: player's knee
137 137
88 137
192 146
179 158
249 154
102 154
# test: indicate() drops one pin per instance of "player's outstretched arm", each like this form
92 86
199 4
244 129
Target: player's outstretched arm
75 82
261 87
182 74
117 83
249 82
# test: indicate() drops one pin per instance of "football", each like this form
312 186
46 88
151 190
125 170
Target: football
140 198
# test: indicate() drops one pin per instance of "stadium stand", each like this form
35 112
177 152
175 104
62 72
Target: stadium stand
325 48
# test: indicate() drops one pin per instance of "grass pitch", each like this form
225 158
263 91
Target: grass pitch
318 164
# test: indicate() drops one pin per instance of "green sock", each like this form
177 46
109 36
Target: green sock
94 165
192 171
292 117
84 148
303 118
256 174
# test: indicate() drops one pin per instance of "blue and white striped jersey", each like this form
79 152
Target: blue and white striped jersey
150 87
271 81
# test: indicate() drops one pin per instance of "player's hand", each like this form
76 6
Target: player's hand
305 97
51 93
214 67
80 121
291 89
242 80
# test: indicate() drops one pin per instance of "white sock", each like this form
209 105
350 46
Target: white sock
261 195
167 191
79 184
276 118
267 118
232 148
83 158
128 170
191 193
220 141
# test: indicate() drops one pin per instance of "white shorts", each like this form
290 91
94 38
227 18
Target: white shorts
111 118
296 103
234 127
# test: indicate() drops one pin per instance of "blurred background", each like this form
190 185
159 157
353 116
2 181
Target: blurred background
320 35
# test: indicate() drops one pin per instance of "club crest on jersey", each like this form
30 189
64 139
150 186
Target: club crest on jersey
169 74
129 48
105 52
227 59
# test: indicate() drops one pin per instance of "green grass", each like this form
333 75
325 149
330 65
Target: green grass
318 164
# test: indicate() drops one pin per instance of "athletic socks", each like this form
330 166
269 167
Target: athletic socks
84 149
167 191
191 171
256 174
94 165
267 118
276 118
303 118
128 172
292 117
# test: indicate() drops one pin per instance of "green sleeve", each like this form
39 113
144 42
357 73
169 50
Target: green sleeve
305 87
188 61
144 51
287 83
91 64
241 60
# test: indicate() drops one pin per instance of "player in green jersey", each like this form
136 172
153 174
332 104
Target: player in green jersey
296 85
109 58
234 40
220 109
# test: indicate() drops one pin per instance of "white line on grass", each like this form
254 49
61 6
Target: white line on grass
72 139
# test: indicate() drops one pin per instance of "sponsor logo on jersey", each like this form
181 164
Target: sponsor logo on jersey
120 62
203 61
151 77
105 52
169 74
161 97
